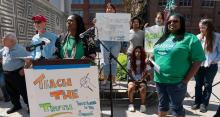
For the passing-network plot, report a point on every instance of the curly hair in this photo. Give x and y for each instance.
(133, 59)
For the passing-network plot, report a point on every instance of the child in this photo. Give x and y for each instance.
(138, 70)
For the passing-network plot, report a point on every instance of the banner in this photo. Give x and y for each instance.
(113, 26)
(152, 34)
(63, 92)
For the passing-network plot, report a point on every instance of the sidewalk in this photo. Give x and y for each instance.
(120, 106)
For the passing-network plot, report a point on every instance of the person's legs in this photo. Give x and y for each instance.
(131, 90)
(114, 47)
(199, 77)
(22, 87)
(105, 61)
(210, 73)
(177, 94)
(143, 91)
(163, 98)
(11, 86)
(3, 88)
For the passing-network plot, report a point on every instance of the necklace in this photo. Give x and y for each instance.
(73, 50)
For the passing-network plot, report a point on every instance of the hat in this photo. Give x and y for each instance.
(39, 18)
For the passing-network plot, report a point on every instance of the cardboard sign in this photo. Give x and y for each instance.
(152, 34)
(63, 92)
(113, 26)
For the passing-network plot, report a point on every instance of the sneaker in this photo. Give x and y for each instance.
(195, 107)
(131, 107)
(203, 108)
(142, 108)
(13, 109)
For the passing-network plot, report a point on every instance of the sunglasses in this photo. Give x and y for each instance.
(37, 22)
(172, 21)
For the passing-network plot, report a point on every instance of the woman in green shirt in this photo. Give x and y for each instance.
(70, 45)
(178, 55)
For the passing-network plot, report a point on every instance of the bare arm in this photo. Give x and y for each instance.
(194, 68)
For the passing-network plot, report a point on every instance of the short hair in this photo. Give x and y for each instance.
(135, 18)
(161, 14)
(110, 5)
(10, 35)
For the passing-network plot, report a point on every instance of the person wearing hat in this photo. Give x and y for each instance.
(47, 39)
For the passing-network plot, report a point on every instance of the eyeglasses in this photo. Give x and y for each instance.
(37, 22)
(172, 21)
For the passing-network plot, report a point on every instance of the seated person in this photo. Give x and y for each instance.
(138, 70)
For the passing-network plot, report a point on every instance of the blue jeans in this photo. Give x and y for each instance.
(114, 47)
(171, 96)
(204, 77)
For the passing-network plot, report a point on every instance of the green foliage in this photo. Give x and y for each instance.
(121, 74)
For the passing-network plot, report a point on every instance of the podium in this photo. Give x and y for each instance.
(63, 88)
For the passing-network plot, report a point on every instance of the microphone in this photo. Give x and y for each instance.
(86, 32)
(44, 41)
(33, 47)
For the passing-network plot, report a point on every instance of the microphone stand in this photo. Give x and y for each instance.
(41, 53)
(111, 56)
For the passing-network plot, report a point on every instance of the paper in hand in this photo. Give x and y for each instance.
(156, 66)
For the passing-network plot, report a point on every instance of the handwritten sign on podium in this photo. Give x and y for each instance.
(69, 92)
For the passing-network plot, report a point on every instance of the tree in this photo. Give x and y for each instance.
(137, 8)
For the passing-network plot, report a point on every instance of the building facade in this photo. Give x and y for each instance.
(15, 16)
(88, 8)
(193, 10)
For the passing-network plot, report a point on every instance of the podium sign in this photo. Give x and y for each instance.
(63, 92)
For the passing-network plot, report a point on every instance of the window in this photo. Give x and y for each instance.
(188, 18)
(162, 3)
(78, 11)
(208, 3)
(77, 1)
(97, 1)
(117, 1)
(185, 3)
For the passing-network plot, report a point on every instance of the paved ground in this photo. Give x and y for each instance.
(120, 106)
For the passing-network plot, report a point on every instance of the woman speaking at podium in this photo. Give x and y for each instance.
(70, 45)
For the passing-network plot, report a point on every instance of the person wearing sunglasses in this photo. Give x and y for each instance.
(204, 78)
(48, 38)
(178, 55)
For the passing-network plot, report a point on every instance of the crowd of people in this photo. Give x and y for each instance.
(180, 56)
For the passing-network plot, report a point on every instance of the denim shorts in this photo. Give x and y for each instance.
(171, 96)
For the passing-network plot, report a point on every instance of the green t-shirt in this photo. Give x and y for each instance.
(175, 58)
(71, 49)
